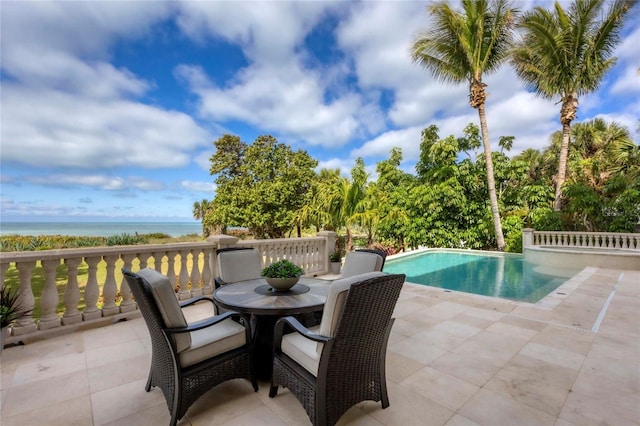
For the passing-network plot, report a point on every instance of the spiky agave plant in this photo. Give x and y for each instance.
(11, 308)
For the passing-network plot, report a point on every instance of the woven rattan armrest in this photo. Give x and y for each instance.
(293, 323)
(209, 322)
(195, 300)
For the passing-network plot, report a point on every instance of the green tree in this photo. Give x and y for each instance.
(342, 200)
(464, 46)
(565, 54)
(201, 211)
(260, 186)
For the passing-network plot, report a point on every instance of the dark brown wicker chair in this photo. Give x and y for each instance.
(237, 264)
(380, 253)
(362, 261)
(340, 363)
(187, 359)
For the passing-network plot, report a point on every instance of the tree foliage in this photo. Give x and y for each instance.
(259, 186)
(444, 204)
(565, 54)
(463, 46)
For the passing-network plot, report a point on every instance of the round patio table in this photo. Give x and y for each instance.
(265, 306)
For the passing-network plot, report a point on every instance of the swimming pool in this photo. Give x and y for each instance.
(497, 275)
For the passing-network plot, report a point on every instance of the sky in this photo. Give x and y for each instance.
(109, 109)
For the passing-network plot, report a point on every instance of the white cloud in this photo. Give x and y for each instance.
(82, 28)
(189, 185)
(266, 31)
(59, 129)
(109, 183)
(629, 82)
(63, 105)
(407, 139)
(286, 100)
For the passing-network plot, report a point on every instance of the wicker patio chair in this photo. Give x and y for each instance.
(362, 261)
(237, 264)
(341, 362)
(188, 359)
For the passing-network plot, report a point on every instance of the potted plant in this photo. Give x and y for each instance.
(335, 261)
(282, 275)
(11, 310)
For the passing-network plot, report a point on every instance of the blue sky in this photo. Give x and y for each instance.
(109, 109)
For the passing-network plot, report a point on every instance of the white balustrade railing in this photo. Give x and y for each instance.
(191, 268)
(600, 240)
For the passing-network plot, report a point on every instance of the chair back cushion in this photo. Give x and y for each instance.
(335, 302)
(360, 262)
(239, 265)
(165, 298)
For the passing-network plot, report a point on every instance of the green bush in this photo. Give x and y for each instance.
(125, 239)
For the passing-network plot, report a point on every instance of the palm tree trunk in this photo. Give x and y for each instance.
(493, 198)
(562, 165)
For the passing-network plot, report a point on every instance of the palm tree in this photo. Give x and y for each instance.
(464, 46)
(343, 200)
(565, 54)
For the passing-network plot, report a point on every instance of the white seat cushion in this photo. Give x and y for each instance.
(361, 262)
(167, 304)
(239, 265)
(211, 341)
(303, 350)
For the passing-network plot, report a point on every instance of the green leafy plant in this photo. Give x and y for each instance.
(11, 309)
(335, 257)
(282, 269)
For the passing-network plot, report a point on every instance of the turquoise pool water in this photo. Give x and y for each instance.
(505, 276)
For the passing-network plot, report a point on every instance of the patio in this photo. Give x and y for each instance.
(454, 359)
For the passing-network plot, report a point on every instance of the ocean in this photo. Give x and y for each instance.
(99, 229)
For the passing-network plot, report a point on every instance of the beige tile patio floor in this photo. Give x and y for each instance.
(453, 359)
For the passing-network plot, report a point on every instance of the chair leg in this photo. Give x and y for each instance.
(273, 391)
(147, 387)
(384, 396)
(254, 382)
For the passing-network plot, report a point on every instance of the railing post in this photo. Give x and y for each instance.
(49, 297)
(330, 246)
(92, 291)
(527, 237)
(71, 313)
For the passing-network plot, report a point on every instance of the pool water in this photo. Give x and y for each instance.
(505, 276)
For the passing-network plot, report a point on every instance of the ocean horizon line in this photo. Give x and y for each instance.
(99, 228)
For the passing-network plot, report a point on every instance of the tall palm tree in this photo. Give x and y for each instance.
(464, 46)
(565, 54)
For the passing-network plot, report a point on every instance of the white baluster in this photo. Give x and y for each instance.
(92, 291)
(157, 261)
(71, 313)
(183, 279)
(196, 282)
(127, 304)
(207, 271)
(49, 296)
(171, 270)
(26, 299)
(110, 288)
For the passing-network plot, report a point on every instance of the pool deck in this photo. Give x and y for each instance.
(454, 359)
